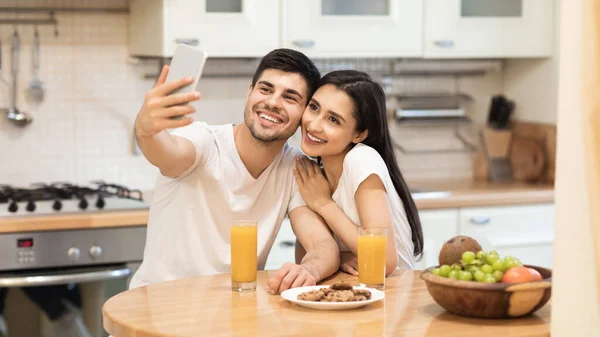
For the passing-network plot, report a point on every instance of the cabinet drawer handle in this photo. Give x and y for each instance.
(480, 220)
(190, 42)
(304, 43)
(444, 43)
(287, 244)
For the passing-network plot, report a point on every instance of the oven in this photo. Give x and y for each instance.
(96, 263)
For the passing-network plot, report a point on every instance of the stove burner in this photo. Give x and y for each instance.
(60, 192)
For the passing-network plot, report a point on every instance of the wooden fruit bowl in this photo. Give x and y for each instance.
(489, 300)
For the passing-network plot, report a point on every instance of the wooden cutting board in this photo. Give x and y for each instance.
(527, 159)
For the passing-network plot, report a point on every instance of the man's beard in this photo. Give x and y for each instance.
(260, 135)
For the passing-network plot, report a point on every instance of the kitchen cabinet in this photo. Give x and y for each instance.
(438, 226)
(488, 28)
(224, 28)
(345, 28)
(524, 231)
(353, 28)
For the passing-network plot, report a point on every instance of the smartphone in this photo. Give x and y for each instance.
(186, 61)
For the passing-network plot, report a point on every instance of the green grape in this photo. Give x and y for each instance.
(493, 252)
(486, 268)
(457, 267)
(479, 276)
(453, 274)
(465, 276)
(445, 270)
(499, 265)
(518, 263)
(498, 275)
(468, 257)
(478, 262)
(480, 255)
(489, 278)
(472, 268)
(510, 263)
(490, 259)
(435, 271)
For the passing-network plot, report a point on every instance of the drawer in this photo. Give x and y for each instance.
(509, 226)
(283, 249)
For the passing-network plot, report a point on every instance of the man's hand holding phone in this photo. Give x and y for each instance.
(162, 104)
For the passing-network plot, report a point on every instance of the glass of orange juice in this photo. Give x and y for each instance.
(243, 255)
(372, 244)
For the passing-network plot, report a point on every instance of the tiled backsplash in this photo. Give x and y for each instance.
(83, 129)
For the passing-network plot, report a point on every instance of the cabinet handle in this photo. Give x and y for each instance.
(444, 43)
(287, 244)
(190, 42)
(304, 43)
(480, 220)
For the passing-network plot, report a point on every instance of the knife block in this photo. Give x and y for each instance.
(492, 158)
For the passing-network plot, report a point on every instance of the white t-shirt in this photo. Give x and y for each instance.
(359, 163)
(190, 215)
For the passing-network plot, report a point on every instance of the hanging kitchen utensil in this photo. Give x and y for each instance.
(2, 79)
(35, 91)
(13, 114)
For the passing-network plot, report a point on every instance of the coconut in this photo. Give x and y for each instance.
(453, 249)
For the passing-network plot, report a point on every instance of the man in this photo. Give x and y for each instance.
(214, 175)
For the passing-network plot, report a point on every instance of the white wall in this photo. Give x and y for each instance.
(533, 84)
(575, 309)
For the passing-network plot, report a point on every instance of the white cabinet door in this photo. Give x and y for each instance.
(526, 232)
(353, 28)
(438, 227)
(284, 247)
(223, 28)
(488, 28)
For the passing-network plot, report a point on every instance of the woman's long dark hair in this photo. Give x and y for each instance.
(370, 114)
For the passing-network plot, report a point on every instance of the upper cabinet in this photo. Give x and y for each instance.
(488, 28)
(345, 28)
(353, 28)
(224, 28)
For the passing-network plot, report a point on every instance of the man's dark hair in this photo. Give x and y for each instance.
(290, 61)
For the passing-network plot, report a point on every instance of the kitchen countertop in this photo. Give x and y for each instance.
(91, 220)
(428, 195)
(468, 193)
(206, 306)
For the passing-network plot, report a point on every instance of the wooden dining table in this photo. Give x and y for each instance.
(206, 306)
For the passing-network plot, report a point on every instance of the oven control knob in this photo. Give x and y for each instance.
(95, 252)
(73, 253)
(13, 207)
(30, 206)
(83, 203)
(56, 205)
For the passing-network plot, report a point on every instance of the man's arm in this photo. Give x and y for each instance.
(322, 257)
(171, 154)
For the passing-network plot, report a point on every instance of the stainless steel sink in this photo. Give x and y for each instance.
(417, 193)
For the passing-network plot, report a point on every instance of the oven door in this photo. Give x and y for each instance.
(55, 276)
(96, 285)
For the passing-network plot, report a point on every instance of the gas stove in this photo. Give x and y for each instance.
(67, 198)
(42, 254)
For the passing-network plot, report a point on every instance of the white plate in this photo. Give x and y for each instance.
(292, 296)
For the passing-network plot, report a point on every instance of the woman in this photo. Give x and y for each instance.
(345, 127)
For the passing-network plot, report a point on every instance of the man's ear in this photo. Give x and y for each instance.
(360, 137)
